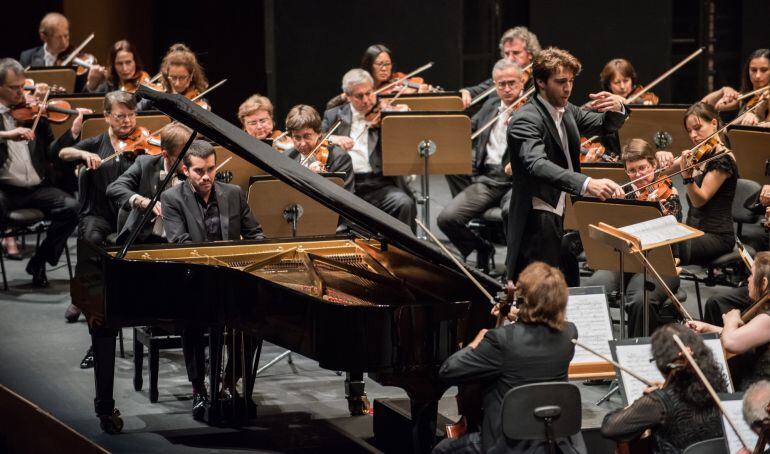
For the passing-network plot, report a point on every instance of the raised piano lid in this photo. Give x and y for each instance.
(376, 222)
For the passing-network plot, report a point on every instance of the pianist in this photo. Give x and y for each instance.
(193, 212)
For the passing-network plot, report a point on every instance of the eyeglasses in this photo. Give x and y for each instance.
(178, 78)
(641, 169)
(124, 117)
(260, 122)
(385, 64)
(507, 83)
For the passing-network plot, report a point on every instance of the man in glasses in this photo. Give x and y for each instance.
(102, 164)
(491, 186)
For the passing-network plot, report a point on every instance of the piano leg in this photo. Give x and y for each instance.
(103, 342)
(424, 413)
(358, 402)
(215, 414)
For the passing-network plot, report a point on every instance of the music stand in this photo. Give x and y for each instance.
(750, 144)
(599, 170)
(93, 125)
(442, 102)
(425, 143)
(63, 76)
(659, 125)
(84, 100)
(284, 211)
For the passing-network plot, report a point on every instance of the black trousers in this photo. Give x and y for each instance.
(541, 240)
(387, 195)
(470, 203)
(705, 249)
(457, 183)
(57, 205)
(723, 302)
(95, 229)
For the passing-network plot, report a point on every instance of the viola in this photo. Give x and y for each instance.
(56, 111)
(130, 85)
(647, 98)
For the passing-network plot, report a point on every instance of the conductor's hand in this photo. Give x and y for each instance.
(603, 188)
(605, 101)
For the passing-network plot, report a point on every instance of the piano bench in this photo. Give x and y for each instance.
(155, 338)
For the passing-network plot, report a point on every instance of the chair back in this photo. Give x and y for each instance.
(713, 446)
(522, 404)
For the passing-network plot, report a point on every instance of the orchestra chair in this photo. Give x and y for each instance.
(713, 446)
(488, 226)
(542, 411)
(27, 221)
(732, 260)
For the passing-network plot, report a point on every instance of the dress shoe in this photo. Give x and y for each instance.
(200, 403)
(72, 314)
(229, 393)
(484, 255)
(88, 360)
(37, 270)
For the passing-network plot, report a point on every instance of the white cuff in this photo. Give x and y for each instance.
(585, 186)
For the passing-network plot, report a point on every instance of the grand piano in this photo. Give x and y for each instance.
(381, 302)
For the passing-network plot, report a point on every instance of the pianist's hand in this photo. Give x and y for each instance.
(479, 337)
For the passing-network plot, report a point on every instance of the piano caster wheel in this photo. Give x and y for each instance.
(111, 424)
(358, 405)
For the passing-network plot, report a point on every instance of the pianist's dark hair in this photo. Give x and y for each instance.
(682, 377)
(199, 149)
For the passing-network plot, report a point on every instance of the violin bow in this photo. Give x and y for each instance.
(663, 76)
(40, 111)
(614, 363)
(398, 81)
(709, 388)
(683, 169)
(320, 142)
(507, 109)
(77, 50)
(752, 93)
(208, 90)
(491, 89)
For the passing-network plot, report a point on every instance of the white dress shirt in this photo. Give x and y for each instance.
(498, 141)
(17, 169)
(48, 57)
(359, 132)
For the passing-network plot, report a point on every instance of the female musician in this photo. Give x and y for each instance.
(678, 412)
(256, 117)
(755, 75)
(710, 190)
(125, 71)
(640, 162)
(537, 348)
(753, 336)
(181, 72)
(619, 78)
(303, 123)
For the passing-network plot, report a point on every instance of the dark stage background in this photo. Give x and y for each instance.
(296, 51)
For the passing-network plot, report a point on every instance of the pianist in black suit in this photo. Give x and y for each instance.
(204, 210)
(544, 149)
(537, 348)
(132, 191)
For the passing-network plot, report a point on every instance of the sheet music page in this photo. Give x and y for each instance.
(657, 230)
(733, 404)
(637, 358)
(590, 315)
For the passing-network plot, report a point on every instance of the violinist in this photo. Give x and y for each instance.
(678, 412)
(710, 191)
(755, 75)
(125, 71)
(361, 140)
(517, 44)
(537, 348)
(491, 186)
(640, 162)
(303, 123)
(24, 155)
(55, 34)
(750, 337)
(181, 72)
(256, 117)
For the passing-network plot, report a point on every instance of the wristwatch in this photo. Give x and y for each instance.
(688, 180)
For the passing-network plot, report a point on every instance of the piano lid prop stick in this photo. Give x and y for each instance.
(457, 262)
(614, 363)
(223, 163)
(709, 388)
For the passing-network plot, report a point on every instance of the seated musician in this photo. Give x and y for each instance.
(181, 73)
(710, 192)
(517, 44)
(755, 75)
(303, 124)
(640, 162)
(98, 216)
(256, 117)
(193, 212)
(55, 34)
(24, 154)
(679, 412)
(491, 187)
(125, 71)
(537, 348)
(133, 189)
(361, 140)
(750, 339)
(756, 402)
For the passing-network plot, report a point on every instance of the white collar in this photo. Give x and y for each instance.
(47, 52)
(4, 109)
(356, 113)
(556, 112)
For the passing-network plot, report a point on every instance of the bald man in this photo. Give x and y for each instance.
(55, 34)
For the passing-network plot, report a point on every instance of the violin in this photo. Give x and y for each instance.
(587, 145)
(761, 305)
(56, 111)
(659, 191)
(30, 86)
(320, 155)
(82, 62)
(757, 98)
(140, 141)
(193, 93)
(279, 140)
(704, 150)
(131, 85)
(647, 98)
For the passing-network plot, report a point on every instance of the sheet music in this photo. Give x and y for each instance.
(590, 315)
(658, 230)
(733, 404)
(637, 358)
